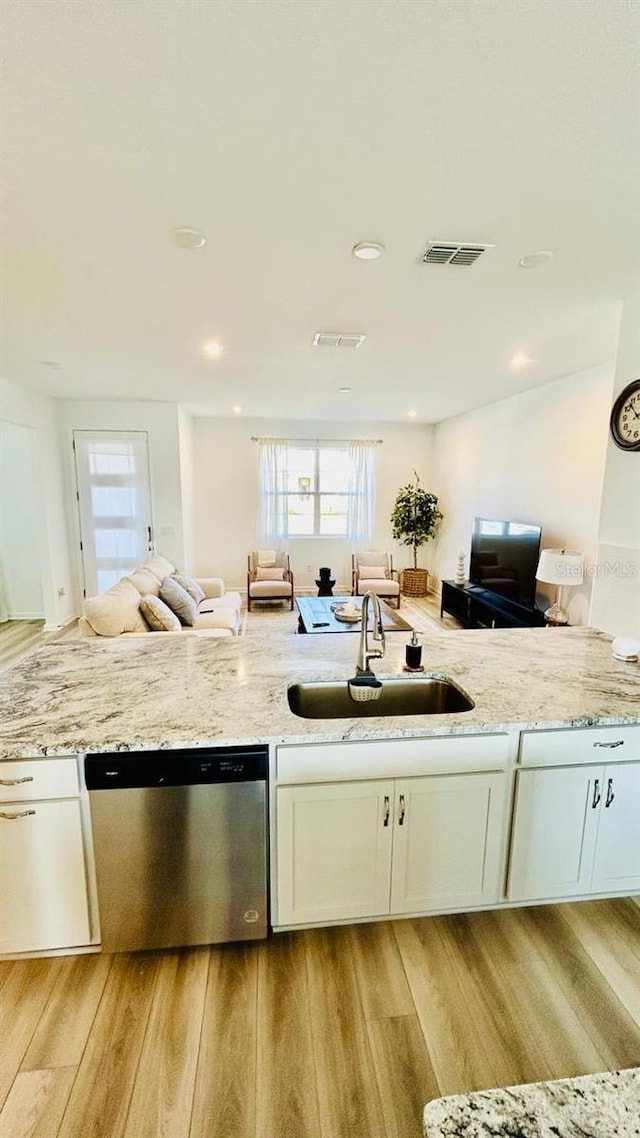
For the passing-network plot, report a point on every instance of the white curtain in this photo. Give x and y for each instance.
(362, 490)
(272, 525)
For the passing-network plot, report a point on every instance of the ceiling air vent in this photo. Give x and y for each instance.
(338, 340)
(451, 253)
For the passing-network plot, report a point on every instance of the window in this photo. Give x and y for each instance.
(316, 490)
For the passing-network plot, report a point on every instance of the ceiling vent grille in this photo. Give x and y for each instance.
(338, 340)
(451, 253)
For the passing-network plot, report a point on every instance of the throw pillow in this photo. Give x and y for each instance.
(372, 572)
(159, 566)
(144, 582)
(190, 586)
(269, 574)
(179, 601)
(158, 615)
(116, 611)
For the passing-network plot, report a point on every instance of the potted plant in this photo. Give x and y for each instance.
(414, 521)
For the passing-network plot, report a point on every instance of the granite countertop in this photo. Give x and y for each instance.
(591, 1106)
(139, 692)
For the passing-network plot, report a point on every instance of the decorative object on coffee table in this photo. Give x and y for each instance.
(414, 521)
(325, 582)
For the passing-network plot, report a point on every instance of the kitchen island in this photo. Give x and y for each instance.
(531, 795)
(134, 693)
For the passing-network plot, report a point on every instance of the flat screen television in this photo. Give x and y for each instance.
(504, 559)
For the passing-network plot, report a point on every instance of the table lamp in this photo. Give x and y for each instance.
(562, 568)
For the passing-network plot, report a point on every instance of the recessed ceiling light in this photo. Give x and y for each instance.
(520, 359)
(213, 348)
(188, 238)
(534, 260)
(412, 414)
(237, 409)
(368, 250)
(344, 390)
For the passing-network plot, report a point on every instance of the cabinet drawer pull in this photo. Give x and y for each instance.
(596, 794)
(402, 811)
(16, 781)
(610, 794)
(12, 817)
(387, 809)
(618, 743)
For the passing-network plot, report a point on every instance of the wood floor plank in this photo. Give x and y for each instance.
(62, 1032)
(286, 1090)
(457, 1051)
(614, 1033)
(535, 1008)
(382, 980)
(340, 1042)
(609, 951)
(514, 1054)
(163, 1094)
(23, 998)
(36, 1103)
(405, 1077)
(104, 1084)
(225, 1091)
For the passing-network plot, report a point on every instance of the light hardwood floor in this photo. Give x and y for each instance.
(329, 1033)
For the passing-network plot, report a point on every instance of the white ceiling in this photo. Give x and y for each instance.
(288, 131)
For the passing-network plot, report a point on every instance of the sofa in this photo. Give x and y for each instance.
(130, 608)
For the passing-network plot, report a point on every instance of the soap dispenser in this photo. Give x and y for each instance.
(413, 651)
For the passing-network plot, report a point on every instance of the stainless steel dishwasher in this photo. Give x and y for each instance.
(180, 841)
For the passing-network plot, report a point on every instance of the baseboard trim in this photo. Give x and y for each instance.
(25, 616)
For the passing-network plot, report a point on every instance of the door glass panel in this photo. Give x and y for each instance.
(114, 498)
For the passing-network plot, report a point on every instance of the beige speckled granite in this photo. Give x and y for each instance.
(591, 1106)
(142, 693)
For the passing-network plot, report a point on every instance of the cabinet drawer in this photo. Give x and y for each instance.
(393, 758)
(38, 778)
(579, 745)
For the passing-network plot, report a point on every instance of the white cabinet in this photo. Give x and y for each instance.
(576, 831)
(43, 890)
(375, 848)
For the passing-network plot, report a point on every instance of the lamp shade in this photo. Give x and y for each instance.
(560, 567)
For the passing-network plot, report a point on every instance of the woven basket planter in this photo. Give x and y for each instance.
(414, 582)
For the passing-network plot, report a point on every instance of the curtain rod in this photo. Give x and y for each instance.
(317, 442)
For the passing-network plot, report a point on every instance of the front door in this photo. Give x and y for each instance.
(114, 504)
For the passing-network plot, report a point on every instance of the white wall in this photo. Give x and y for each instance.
(160, 421)
(616, 589)
(20, 405)
(226, 492)
(21, 519)
(187, 459)
(537, 457)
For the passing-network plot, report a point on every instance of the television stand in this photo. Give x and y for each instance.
(476, 607)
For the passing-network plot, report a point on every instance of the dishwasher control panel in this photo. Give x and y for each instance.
(195, 766)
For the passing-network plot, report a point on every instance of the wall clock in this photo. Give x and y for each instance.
(625, 417)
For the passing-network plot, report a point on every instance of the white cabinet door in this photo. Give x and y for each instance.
(43, 892)
(617, 861)
(333, 851)
(553, 841)
(447, 842)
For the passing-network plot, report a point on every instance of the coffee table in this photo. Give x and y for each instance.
(315, 615)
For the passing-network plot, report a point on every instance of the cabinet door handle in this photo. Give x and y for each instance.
(402, 811)
(596, 794)
(610, 795)
(387, 809)
(618, 743)
(12, 817)
(15, 781)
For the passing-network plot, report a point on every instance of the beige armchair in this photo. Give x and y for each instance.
(373, 572)
(269, 577)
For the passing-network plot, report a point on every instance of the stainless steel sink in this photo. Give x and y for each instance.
(418, 695)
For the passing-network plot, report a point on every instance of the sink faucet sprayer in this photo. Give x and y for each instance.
(364, 684)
